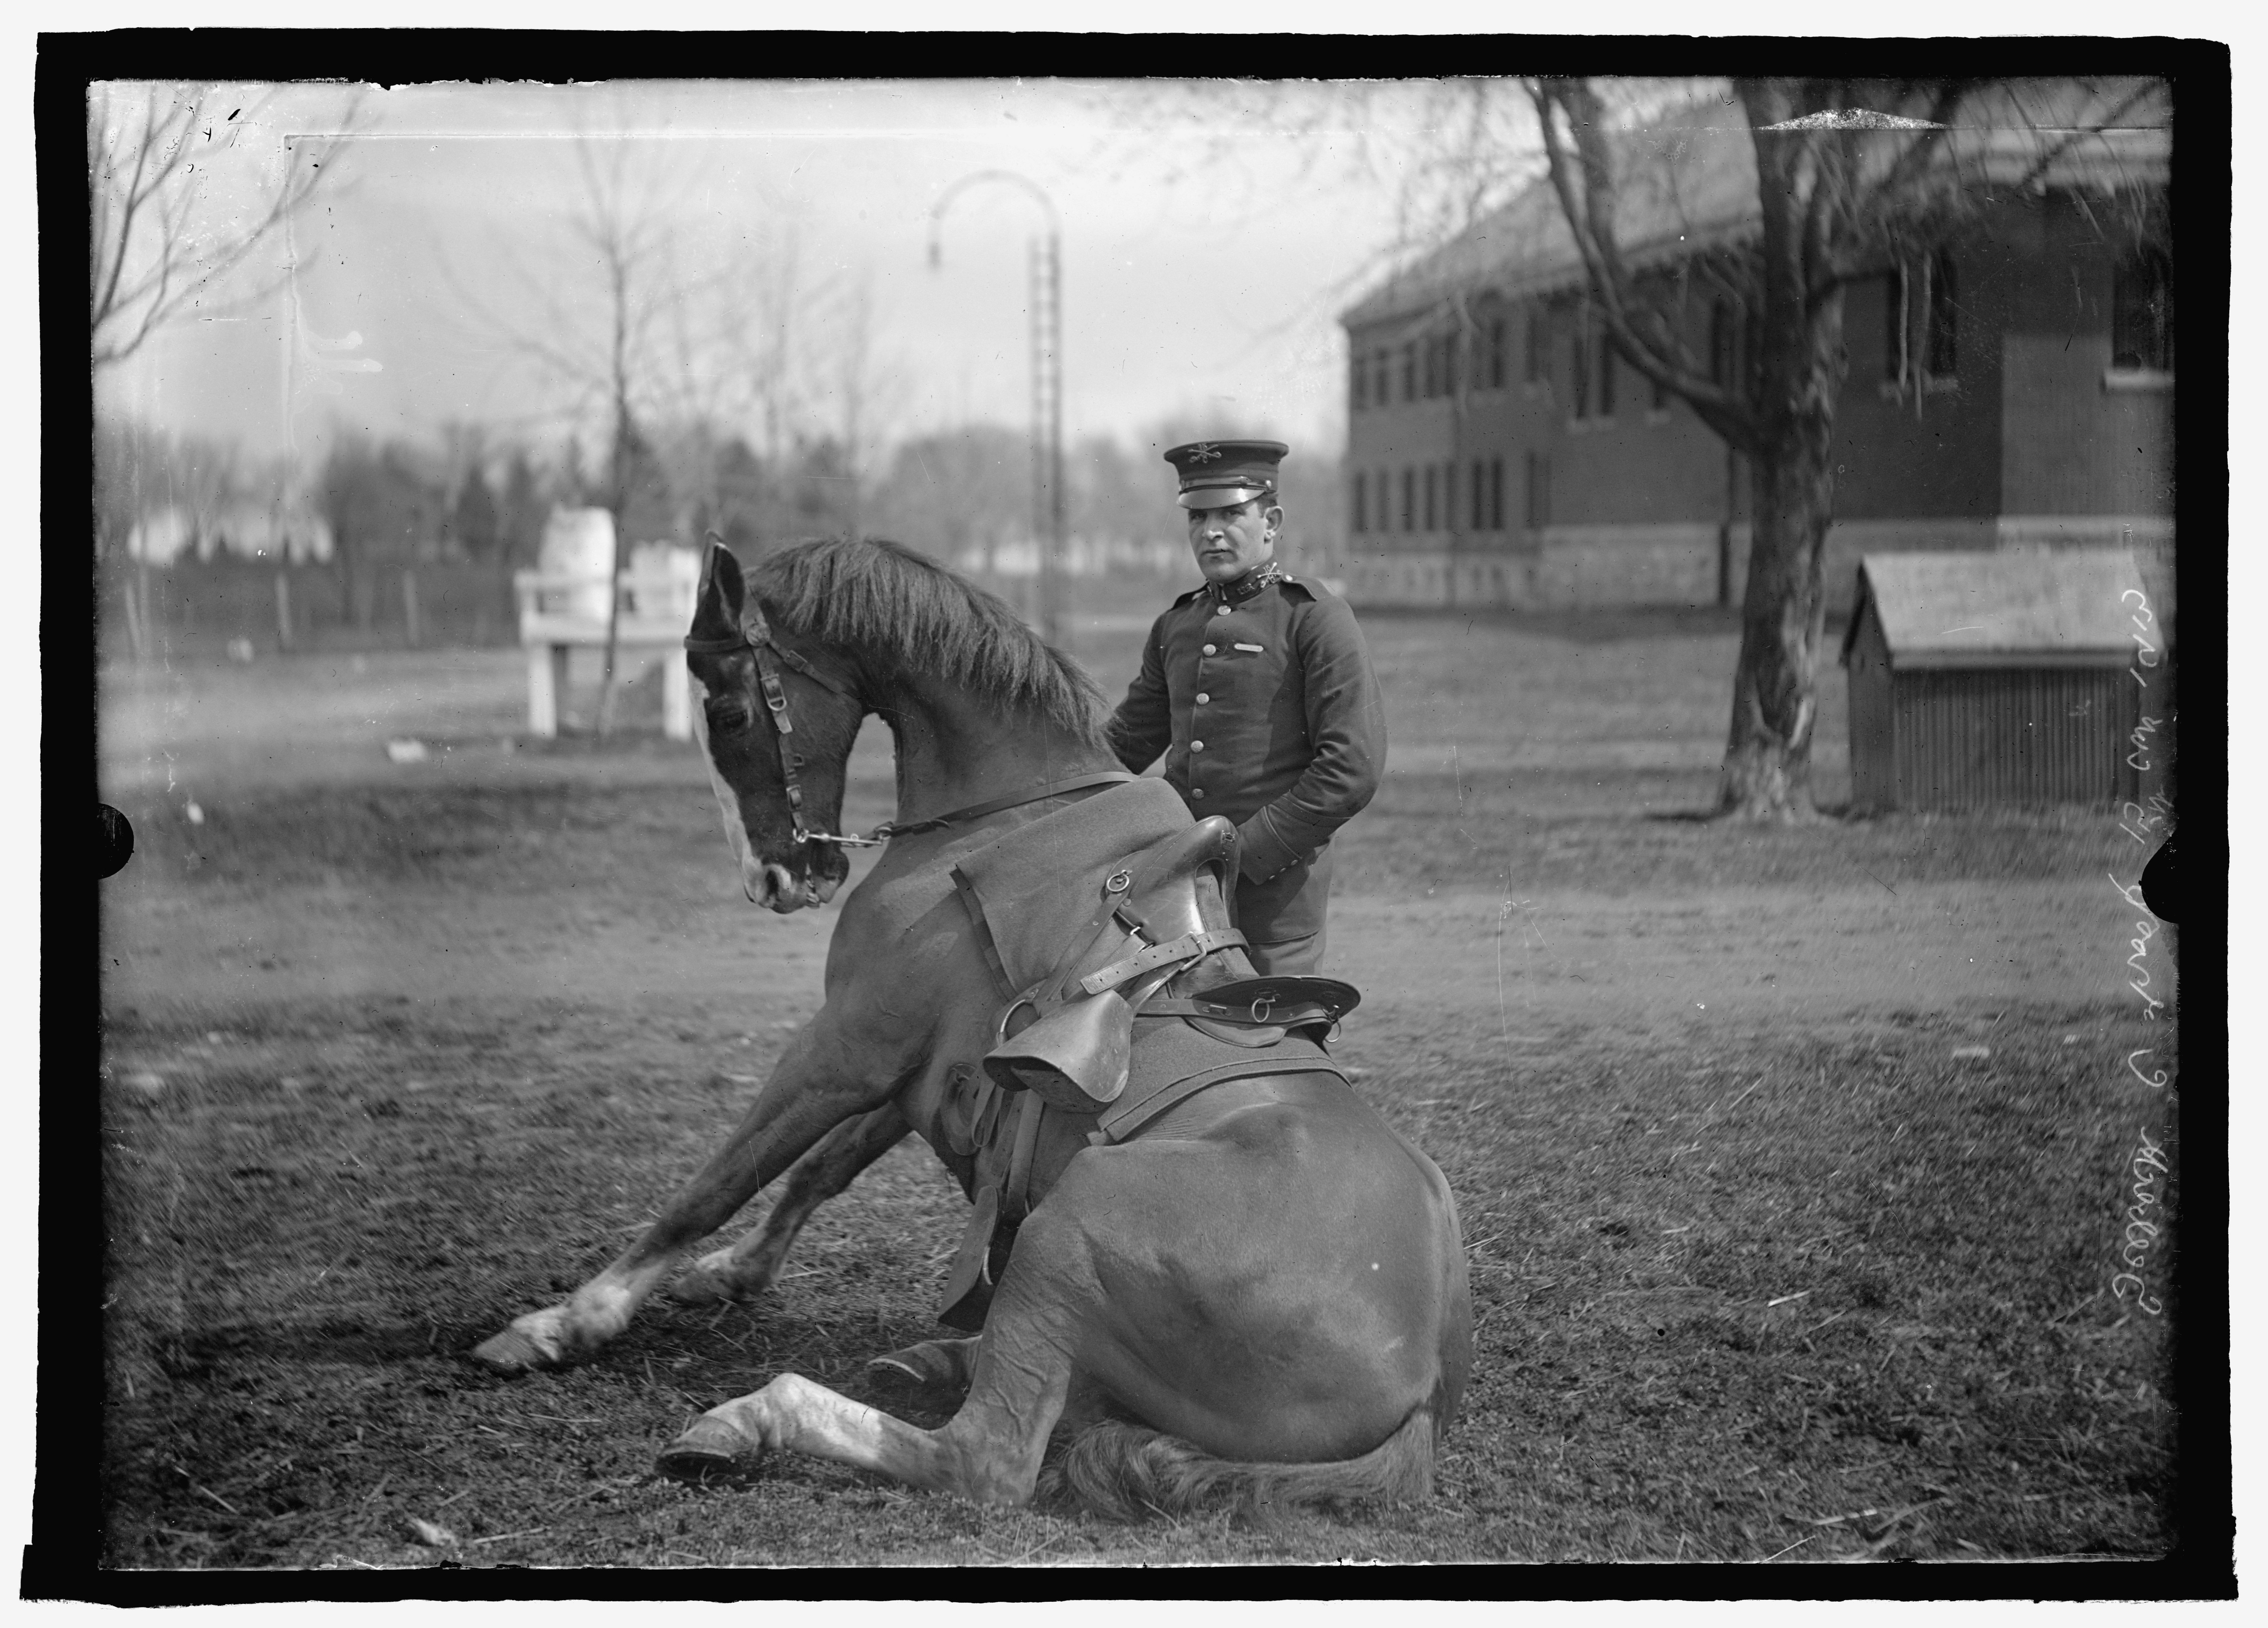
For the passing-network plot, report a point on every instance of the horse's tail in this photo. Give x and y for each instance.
(1126, 1471)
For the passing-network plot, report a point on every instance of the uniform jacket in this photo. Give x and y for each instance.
(1263, 701)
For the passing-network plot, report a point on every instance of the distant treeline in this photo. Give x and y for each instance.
(965, 496)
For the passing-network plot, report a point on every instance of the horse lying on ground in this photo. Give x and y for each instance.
(1256, 1287)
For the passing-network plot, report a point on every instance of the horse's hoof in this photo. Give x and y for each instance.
(709, 1452)
(924, 1365)
(512, 1354)
(898, 1368)
(701, 1286)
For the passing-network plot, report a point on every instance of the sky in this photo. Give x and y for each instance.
(1208, 241)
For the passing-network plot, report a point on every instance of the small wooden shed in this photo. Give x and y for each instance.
(1992, 679)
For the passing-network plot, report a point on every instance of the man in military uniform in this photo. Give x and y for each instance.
(1257, 689)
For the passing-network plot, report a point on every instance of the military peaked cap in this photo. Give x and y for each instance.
(1217, 474)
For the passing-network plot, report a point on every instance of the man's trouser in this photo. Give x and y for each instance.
(1282, 917)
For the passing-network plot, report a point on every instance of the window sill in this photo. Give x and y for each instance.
(2123, 381)
(1890, 390)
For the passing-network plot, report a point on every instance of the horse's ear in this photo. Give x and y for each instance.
(717, 608)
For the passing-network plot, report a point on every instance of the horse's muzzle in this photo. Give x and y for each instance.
(772, 886)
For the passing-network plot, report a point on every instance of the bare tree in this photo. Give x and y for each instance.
(181, 194)
(598, 323)
(1852, 178)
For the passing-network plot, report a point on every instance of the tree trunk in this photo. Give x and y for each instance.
(1767, 768)
(606, 719)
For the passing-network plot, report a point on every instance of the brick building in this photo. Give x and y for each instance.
(2014, 389)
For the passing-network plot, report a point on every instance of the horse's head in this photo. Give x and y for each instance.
(759, 748)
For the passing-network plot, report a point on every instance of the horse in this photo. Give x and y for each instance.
(1261, 1295)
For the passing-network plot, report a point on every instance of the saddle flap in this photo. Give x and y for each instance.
(1076, 1057)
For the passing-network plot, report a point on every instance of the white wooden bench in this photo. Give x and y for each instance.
(559, 612)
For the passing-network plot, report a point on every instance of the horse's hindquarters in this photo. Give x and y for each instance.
(1278, 1277)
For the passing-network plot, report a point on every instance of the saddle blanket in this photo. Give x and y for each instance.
(1036, 885)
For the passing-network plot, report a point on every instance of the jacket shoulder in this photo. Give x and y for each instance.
(1186, 599)
(1308, 588)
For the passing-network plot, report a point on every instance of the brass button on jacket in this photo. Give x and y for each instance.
(1295, 731)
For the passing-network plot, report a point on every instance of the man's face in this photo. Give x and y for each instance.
(1228, 542)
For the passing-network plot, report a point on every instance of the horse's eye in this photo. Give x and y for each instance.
(728, 717)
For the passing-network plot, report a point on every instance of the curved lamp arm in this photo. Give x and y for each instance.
(1030, 189)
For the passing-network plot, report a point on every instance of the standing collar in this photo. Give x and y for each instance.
(1245, 586)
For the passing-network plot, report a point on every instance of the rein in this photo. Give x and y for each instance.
(756, 637)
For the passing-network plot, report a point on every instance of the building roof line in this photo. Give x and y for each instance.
(1698, 192)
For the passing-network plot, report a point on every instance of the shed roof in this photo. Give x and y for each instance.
(1687, 183)
(1945, 610)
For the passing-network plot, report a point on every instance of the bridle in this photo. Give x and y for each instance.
(754, 636)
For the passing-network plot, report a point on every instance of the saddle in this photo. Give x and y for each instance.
(1147, 926)
(1086, 1032)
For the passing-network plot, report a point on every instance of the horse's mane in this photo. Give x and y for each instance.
(885, 600)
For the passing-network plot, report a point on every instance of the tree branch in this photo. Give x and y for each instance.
(1590, 222)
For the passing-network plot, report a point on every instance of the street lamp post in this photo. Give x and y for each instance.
(1047, 386)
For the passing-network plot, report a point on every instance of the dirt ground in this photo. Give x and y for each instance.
(394, 1050)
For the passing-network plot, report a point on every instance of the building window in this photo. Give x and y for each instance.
(1539, 491)
(2142, 314)
(1431, 483)
(1496, 353)
(1410, 372)
(1920, 303)
(1721, 343)
(1359, 525)
(1428, 377)
(1356, 394)
(1606, 375)
(1942, 357)
(1451, 347)
(1496, 494)
(1382, 381)
(1533, 364)
(1409, 499)
(1480, 496)
(1578, 383)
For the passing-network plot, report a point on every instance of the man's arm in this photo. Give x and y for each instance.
(1346, 724)
(1143, 726)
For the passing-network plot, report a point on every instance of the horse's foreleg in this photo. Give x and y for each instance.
(747, 1269)
(989, 1452)
(816, 1087)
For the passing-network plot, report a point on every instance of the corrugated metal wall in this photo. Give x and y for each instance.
(1971, 738)
(1873, 739)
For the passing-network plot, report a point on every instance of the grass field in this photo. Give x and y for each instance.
(1765, 1267)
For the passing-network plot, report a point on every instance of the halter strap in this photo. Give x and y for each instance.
(754, 636)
